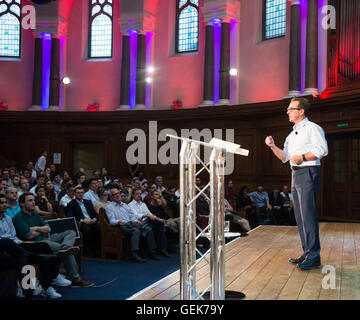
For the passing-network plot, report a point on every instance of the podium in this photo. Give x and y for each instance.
(215, 168)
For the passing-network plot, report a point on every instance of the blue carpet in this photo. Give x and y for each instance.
(119, 279)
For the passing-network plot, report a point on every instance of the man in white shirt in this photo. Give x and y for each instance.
(304, 147)
(40, 181)
(91, 193)
(40, 164)
(70, 194)
(143, 214)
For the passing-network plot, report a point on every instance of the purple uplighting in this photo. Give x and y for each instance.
(303, 22)
(217, 47)
(133, 62)
(148, 41)
(46, 42)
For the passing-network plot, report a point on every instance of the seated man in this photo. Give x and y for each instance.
(70, 195)
(143, 214)
(157, 208)
(91, 193)
(288, 211)
(40, 181)
(85, 215)
(17, 254)
(13, 207)
(276, 201)
(172, 201)
(119, 214)
(244, 203)
(262, 205)
(24, 186)
(30, 226)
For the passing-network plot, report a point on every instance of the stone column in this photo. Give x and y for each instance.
(54, 74)
(140, 72)
(311, 78)
(224, 86)
(295, 52)
(37, 77)
(125, 74)
(208, 97)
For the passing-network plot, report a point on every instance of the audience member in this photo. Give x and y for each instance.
(41, 162)
(143, 214)
(4, 183)
(70, 194)
(51, 195)
(13, 207)
(159, 183)
(15, 181)
(289, 216)
(144, 190)
(64, 184)
(24, 186)
(40, 181)
(30, 226)
(119, 214)
(276, 202)
(237, 224)
(103, 195)
(80, 180)
(83, 211)
(30, 166)
(262, 205)
(57, 182)
(230, 193)
(172, 201)
(245, 203)
(42, 205)
(16, 253)
(91, 193)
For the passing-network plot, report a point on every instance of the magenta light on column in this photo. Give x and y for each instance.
(133, 62)
(46, 41)
(217, 46)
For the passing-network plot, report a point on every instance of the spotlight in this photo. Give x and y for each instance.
(233, 72)
(148, 79)
(150, 69)
(66, 80)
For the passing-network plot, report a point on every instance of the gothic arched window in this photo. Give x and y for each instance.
(274, 18)
(187, 25)
(10, 28)
(100, 28)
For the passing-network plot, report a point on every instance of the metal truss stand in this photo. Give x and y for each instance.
(189, 192)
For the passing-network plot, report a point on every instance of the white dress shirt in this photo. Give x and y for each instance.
(306, 137)
(139, 209)
(119, 212)
(65, 200)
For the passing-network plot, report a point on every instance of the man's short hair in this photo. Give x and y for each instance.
(68, 187)
(41, 176)
(79, 188)
(153, 191)
(303, 104)
(2, 196)
(136, 189)
(22, 198)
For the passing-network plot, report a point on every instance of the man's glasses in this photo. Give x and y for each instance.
(290, 109)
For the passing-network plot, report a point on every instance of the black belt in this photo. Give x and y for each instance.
(298, 168)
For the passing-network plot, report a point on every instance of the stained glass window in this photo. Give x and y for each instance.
(187, 25)
(100, 28)
(274, 18)
(10, 32)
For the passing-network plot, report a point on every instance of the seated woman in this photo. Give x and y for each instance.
(104, 199)
(42, 205)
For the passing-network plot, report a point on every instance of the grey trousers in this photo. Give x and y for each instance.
(306, 183)
(58, 240)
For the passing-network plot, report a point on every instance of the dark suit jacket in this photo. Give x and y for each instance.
(277, 202)
(73, 210)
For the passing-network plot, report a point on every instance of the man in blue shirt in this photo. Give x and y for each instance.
(12, 206)
(261, 200)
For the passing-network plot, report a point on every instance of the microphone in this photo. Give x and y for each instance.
(296, 132)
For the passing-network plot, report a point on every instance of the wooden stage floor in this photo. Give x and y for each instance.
(258, 266)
